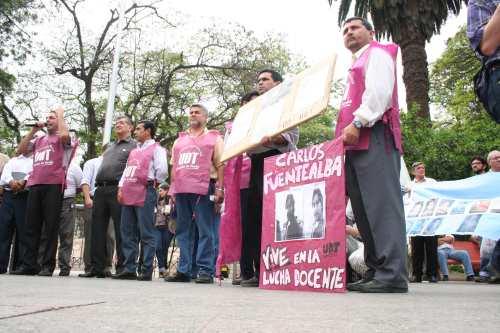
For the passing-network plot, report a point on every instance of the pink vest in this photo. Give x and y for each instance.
(135, 176)
(48, 161)
(192, 161)
(352, 100)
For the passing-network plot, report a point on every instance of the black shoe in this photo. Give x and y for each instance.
(433, 279)
(45, 272)
(204, 278)
(144, 277)
(178, 277)
(416, 279)
(375, 286)
(482, 279)
(469, 278)
(355, 286)
(252, 282)
(224, 271)
(24, 271)
(64, 272)
(92, 274)
(125, 276)
(495, 280)
(494, 274)
(236, 282)
(445, 278)
(108, 274)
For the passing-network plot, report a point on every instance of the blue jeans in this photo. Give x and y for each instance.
(164, 237)
(135, 222)
(197, 209)
(459, 255)
(495, 257)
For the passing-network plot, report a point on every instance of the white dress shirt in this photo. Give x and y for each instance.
(21, 164)
(379, 86)
(158, 168)
(90, 169)
(73, 180)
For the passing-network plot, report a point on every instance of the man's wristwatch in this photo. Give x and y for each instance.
(357, 124)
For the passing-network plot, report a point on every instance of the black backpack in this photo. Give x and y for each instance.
(487, 88)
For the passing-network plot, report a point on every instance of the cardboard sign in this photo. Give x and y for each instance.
(285, 106)
(303, 223)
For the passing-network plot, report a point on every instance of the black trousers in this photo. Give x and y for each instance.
(246, 263)
(12, 219)
(424, 247)
(106, 206)
(43, 213)
(251, 233)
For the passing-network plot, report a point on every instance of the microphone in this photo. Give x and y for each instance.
(38, 124)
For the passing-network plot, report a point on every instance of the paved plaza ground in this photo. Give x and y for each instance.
(72, 304)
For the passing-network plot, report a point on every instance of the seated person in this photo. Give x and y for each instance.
(446, 250)
(355, 250)
(355, 247)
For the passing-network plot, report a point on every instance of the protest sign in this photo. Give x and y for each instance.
(285, 106)
(467, 206)
(303, 223)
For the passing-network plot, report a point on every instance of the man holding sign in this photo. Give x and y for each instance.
(368, 122)
(269, 146)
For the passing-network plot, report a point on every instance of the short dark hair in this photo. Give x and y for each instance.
(164, 186)
(148, 124)
(317, 192)
(274, 74)
(364, 21)
(480, 159)
(248, 97)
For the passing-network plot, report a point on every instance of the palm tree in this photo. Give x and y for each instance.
(410, 23)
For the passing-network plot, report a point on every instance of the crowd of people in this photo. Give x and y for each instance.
(127, 185)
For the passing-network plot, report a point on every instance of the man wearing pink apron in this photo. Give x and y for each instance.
(51, 156)
(368, 122)
(146, 166)
(196, 172)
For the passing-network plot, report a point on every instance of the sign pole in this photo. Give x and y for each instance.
(113, 81)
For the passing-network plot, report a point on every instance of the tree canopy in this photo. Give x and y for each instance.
(464, 129)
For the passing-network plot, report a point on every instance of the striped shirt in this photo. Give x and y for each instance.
(478, 14)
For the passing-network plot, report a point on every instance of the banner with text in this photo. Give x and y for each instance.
(467, 206)
(303, 224)
(285, 106)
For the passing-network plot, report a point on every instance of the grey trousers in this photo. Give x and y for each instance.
(372, 181)
(110, 242)
(66, 233)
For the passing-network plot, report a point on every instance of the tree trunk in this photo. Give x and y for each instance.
(91, 121)
(415, 71)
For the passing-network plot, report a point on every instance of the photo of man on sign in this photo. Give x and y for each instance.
(300, 213)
